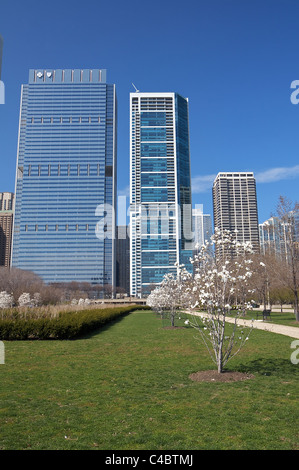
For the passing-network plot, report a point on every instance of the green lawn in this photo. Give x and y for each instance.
(127, 387)
(282, 318)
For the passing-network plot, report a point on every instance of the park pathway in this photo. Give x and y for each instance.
(291, 331)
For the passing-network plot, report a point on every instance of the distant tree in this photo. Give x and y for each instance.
(120, 291)
(263, 277)
(37, 299)
(281, 295)
(6, 300)
(108, 291)
(18, 281)
(97, 291)
(171, 294)
(288, 272)
(24, 300)
(51, 294)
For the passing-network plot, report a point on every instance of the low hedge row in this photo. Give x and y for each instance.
(68, 325)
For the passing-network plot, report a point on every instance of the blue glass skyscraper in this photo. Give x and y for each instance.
(160, 188)
(64, 222)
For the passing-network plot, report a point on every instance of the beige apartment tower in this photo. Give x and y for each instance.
(235, 206)
(6, 225)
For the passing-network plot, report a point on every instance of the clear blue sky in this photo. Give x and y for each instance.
(234, 59)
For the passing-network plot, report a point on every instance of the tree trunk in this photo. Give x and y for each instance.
(172, 317)
(220, 347)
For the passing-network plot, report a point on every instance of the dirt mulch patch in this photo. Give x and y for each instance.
(214, 376)
(173, 327)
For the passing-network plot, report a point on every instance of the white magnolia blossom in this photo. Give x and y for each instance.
(24, 300)
(6, 300)
(172, 293)
(81, 302)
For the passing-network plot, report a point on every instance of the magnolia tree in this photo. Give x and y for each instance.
(84, 302)
(221, 280)
(171, 293)
(24, 300)
(37, 299)
(6, 300)
(155, 300)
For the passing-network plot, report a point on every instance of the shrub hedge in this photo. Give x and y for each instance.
(68, 325)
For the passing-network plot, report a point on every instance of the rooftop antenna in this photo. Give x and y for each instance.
(137, 91)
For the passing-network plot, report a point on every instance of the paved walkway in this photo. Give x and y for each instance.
(291, 331)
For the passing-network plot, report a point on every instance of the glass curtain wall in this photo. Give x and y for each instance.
(66, 174)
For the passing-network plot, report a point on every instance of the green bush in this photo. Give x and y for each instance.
(65, 326)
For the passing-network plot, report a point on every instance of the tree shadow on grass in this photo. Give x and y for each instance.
(100, 329)
(268, 366)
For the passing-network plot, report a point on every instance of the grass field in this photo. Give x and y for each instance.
(127, 387)
(281, 318)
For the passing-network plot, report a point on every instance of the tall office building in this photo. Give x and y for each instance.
(235, 206)
(160, 188)
(64, 228)
(6, 223)
(202, 226)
